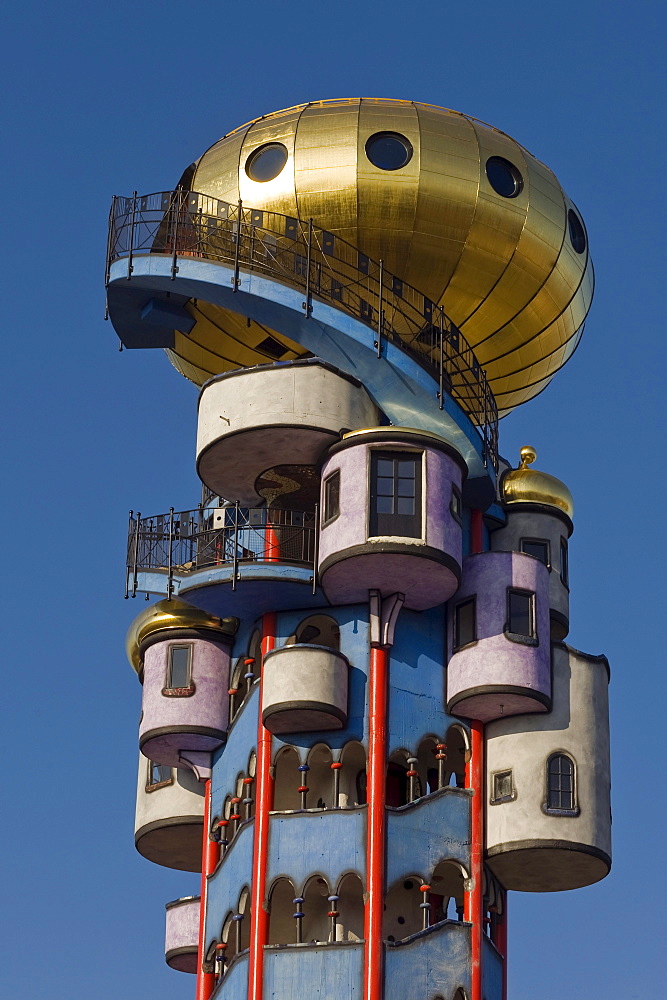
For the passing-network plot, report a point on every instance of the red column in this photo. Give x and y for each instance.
(259, 917)
(476, 531)
(375, 845)
(474, 900)
(210, 855)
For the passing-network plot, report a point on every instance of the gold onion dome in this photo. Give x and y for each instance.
(454, 207)
(167, 615)
(526, 485)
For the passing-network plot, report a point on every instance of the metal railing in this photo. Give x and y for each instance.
(187, 224)
(185, 541)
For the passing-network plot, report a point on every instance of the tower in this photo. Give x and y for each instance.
(360, 720)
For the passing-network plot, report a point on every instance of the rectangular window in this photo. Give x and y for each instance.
(465, 626)
(456, 505)
(331, 498)
(503, 787)
(158, 774)
(521, 613)
(178, 672)
(564, 570)
(537, 547)
(396, 480)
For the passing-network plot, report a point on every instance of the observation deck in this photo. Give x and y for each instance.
(167, 251)
(194, 553)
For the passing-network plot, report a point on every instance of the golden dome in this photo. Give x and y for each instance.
(169, 615)
(525, 485)
(462, 212)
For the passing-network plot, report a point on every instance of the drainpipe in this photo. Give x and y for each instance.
(259, 917)
(476, 531)
(383, 616)
(474, 898)
(210, 856)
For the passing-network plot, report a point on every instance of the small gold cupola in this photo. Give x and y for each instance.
(169, 615)
(526, 485)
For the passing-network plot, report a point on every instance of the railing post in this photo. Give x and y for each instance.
(303, 789)
(413, 774)
(236, 281)
(235, 551)
(110, 243)
(176, 209)
(316, 545)
(441, 366)
(170, 581)
(425, 906)
(441, 757)
(378, 342)
(298, 916)
(220, 950)
(307, 305)
(335, 767)
(238, 917)
(247, 802)
(333, 914)
(130, 267)
(135, 581)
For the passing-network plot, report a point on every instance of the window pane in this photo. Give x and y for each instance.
(538, 549)
(385, 467)
(385, 486)
(464, 623)
(407, 468)
(159, 773)
(406, 487)
(564, 573)
(405, 505)
(332, 496)
(385, 505)
(179, 672)
(520, 613)
(502, 785)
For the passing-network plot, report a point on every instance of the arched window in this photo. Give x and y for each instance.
(561, 784)
(227, 936)
(320, 630)
(458, 755)
(316, 922)
(281, 912)
(244, 910)
(427, 765)
(350, 906)
(397, 778)
(447, 891)
(319, 778)
(402, 912)
(287, 780)
(352, 776)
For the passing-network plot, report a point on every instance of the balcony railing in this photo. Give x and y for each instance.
(187, 224)
(183, 542)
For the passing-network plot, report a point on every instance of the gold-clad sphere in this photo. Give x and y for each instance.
(167, 615)
(526, 485)
(469, 217)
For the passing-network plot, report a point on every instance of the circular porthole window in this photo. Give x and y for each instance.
(266, 162)
(504, 177)
(388, 150)
(577, 232)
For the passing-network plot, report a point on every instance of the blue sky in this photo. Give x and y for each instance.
(108, 99)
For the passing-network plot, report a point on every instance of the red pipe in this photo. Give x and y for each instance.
(375, 846)
(476, 531)
(474, 900)
(259, 917)
(210, 855)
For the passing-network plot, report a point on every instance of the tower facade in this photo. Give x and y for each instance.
(361, 722)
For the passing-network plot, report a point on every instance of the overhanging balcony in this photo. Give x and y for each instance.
(246, 551)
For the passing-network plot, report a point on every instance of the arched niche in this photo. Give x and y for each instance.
(318, 630)
(287, 780)
(402, 913)
(281, 910)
